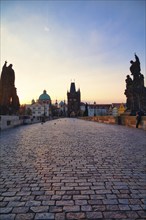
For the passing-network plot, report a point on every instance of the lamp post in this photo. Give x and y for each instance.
(43, 119)
(94, 109)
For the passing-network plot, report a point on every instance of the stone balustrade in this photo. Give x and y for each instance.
(7, 121)
(121, 120)
(10, 121)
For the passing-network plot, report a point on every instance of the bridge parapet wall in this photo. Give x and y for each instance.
(120, 120)
(9, 121)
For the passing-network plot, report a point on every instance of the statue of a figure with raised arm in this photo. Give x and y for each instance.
(135, 67)
(135, 90)
(9, 100)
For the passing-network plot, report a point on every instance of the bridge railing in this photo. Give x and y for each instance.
(120, 120)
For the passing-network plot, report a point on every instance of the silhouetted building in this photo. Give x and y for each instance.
(74, 99)
(9, 101)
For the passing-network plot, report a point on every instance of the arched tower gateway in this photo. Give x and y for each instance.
(74, 99)
(9, 101)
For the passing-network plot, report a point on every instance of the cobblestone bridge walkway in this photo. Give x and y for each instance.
(72, 169)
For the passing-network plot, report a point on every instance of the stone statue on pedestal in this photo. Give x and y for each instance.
(135, 90)
(135, 67)
(9, 101)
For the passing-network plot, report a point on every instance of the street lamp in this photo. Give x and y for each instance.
(43, 118)
(94, 109)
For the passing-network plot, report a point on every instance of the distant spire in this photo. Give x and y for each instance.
(72, 88)
(56, 103)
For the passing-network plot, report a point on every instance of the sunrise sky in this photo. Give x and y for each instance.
(51, 43)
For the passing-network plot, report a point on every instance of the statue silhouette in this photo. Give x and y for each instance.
(9, 101)
(135, 67)
(8, 75)
(128, 81)
(135, 90)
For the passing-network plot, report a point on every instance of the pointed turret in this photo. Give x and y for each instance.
(72, 88)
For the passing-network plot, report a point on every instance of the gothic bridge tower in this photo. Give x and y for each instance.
(74, 99)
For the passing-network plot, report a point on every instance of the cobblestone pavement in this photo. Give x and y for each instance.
(72, 169)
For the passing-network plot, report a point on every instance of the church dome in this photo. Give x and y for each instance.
(44, 96)
(61, 103)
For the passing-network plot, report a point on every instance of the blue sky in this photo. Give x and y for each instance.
(51, 43)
